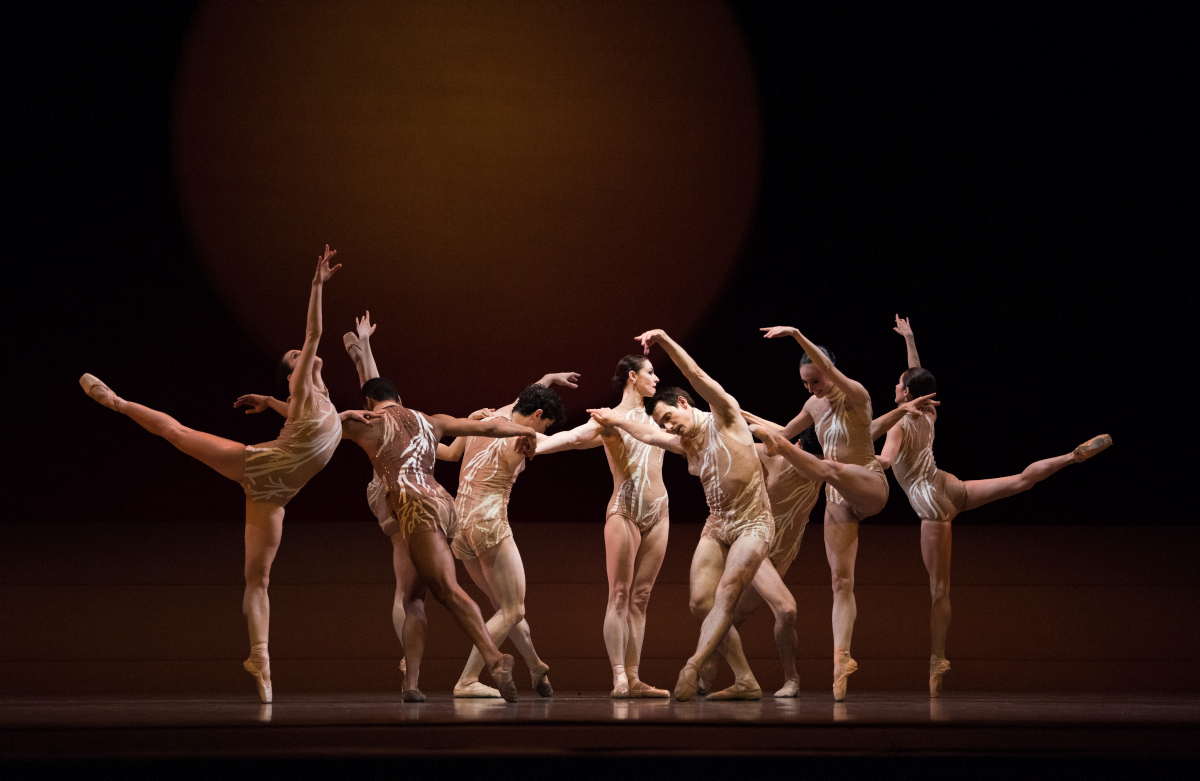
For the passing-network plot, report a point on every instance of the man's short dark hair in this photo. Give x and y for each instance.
(538, 397)
(380, 389)
(669, 396)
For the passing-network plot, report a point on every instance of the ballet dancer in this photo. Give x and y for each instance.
(938, 497)
(636, 524)
(739, 530)
(270, 473)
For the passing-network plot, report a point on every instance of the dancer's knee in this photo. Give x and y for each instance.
(513, 614)
(785, 615)
(618, 599)
(939, 589)
(700, 606)
(639, 600)
(843, 583)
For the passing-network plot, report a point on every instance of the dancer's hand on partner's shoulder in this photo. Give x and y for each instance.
(480, 414)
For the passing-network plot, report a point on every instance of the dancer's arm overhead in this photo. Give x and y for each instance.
(300, 385)
(569, 379)
(365, 360)
(724, 406)
(643, 432)
(903, 328)
(856, 394)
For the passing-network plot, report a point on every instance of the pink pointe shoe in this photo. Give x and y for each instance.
(1092, 447)
(843, 667)
(261, 672)
(937, 668)
(100, 392)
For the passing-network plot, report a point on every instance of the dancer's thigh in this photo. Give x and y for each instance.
(980, 492)
(650, 554)
(865, 489)
(841, 540)
(505, 573)
(769, 584)
(264, 530)
(432, 558)
(407, 581)
(745, 557)
(708, 564)
(935, 550)
(621, 543)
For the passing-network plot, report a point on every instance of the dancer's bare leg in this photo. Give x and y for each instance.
(935, 550)
(841, 549)
(431, 556)
(749, 602)
(621, 543)
(264, 528)
(408, 613)
(980, 492)
(861, 487)
(769, 584)
(718, 578)
(646, 565)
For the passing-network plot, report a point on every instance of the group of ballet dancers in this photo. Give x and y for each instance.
(759, 498)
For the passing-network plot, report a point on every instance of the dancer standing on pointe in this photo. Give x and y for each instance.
(938, 497)
(720, 451)
(636, 524)
(856, 487)
(271, 473)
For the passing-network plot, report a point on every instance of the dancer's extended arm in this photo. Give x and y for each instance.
(581, 437)
(454, 451)
(447, 426)
(365, 363)
(891, 446)
(257, 403)
(885, 422)
(301, 386)
(643, 432)
(722, 404)
(856, 394)
(903, 328)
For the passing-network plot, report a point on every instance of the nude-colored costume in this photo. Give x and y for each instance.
(378, 501)
(792, 499)
(484, 486)
(639, 493)
(276, 471)
(733, 484)
(407, 451)
(934, 495)
(845, 436)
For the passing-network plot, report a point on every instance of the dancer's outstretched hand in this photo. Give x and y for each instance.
(256, 402)
(919, 405)
(324, 272)
(569, 379)
(902, 327)
(774, 332)
(481, 413)
(362, 325)
(604, 416)
(772, 441)
(649, 338)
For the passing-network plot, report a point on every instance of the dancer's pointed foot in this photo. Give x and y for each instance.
(685, 687)
(475, 690)
(938, 666)
(791, 687)
(503, 678)
(260, 670)
(1084, 451)
(93, 387)
(350, 340)
(541, 680)
(708, 674)
(413, 695)
(741, 690)
(843, 666)
(644, 691)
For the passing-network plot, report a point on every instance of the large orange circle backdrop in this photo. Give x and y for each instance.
(513, 187)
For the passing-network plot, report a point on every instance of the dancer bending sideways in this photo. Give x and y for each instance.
(402, 446)
(636, 523)
(938, 497)
(484, 543)
(271, 473)
(720, 451)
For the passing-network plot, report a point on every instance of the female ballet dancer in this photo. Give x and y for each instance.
(937, 496)
(856, 487)
(636, 524)
(271, 473)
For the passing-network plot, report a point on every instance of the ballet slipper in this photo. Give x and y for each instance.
(749, 690)
(412, 695)
(937, 668)
(1081, 453)
(100, 392)
(843, 667)
(261, 671)
(791, 687)
(350, 339)
(475, 690)
(541, 680)
(503, 678)
(621, 690)
(685, 687)
(644, 691)
(708, 674)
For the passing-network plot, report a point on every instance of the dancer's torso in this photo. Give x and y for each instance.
(845, 436)
(638, 490)
(934, 495)
(486, 480)
(730, 473)
(276, 471)
(792, 498)
(404, 460)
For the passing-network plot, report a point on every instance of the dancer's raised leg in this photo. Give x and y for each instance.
(646, 565)
(935, 550)
(863, 488)
(980, 492)
(264, 528)
(841, 549)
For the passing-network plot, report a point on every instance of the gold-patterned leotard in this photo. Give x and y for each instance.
(934, 495)
(733, 484)
(638, 490)
(845, 436)
(484, 486)
(792, 499)
(276, 471)
(404, 461)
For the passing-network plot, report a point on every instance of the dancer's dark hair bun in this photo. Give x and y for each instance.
(920, 382)
(630, 363)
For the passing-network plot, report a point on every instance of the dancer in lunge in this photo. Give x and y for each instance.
(636, 523)
(938, 497)
(720, 451)
(271, 473)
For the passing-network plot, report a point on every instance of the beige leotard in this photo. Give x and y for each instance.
(792, 499)
(733, 484)
(276, 471)
(484, 486)
(404, 461)
(845, 436)
(638, 490)
(378, 502)
(934, 495)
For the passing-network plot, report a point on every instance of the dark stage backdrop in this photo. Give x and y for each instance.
(1020, 184)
